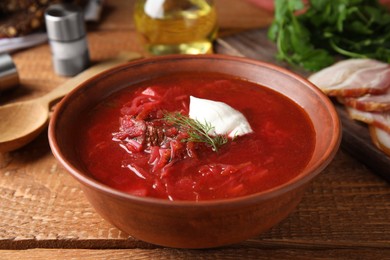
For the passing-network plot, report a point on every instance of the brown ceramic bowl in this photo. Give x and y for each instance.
(186, 224)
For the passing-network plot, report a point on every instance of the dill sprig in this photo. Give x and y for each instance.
(198, 132)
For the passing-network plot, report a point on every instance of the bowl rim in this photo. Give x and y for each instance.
(293, 183)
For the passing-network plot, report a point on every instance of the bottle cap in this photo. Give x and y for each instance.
(8, 74)
(64, 22)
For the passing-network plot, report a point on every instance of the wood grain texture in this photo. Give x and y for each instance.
(264, 253)
(345, 213)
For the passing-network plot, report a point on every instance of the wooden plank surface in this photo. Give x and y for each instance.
(43, 212)
(210, 254)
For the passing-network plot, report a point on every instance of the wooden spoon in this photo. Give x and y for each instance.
(21, 122)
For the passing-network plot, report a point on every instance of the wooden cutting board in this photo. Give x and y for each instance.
(356, 138)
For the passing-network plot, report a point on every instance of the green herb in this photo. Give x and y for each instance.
(325, 28)
(197, 131)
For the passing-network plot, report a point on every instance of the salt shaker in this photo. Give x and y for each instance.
(8, 73)
(67, 36)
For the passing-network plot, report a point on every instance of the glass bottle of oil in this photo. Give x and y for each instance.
(176, 26)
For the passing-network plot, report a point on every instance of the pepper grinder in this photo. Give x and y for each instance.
(67, 36)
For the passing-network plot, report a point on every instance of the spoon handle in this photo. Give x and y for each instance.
(72, 83)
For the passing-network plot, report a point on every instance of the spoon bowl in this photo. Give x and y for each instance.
(21, 122)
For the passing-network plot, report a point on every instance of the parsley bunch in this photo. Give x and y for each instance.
(311, 35)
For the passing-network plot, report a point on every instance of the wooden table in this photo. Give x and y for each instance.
(345, 213)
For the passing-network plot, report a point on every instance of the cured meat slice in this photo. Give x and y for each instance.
(381, 139)
(380, 120)
(340, 71)
(370, 102)
(353, 78)
(363, 86)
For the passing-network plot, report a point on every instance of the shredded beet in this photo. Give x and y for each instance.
(142, 129)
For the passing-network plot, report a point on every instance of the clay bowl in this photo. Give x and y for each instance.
(186, 224)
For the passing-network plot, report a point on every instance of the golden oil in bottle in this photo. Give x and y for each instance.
(176, 26)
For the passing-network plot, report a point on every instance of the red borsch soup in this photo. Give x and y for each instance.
(127, 143)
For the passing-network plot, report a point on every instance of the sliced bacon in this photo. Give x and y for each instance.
(353, 78)
(380, 120)
(363, 86)
(340, 71)
(381, 139)
(377, 103)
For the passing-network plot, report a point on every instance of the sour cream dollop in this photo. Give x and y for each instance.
(224, 118)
